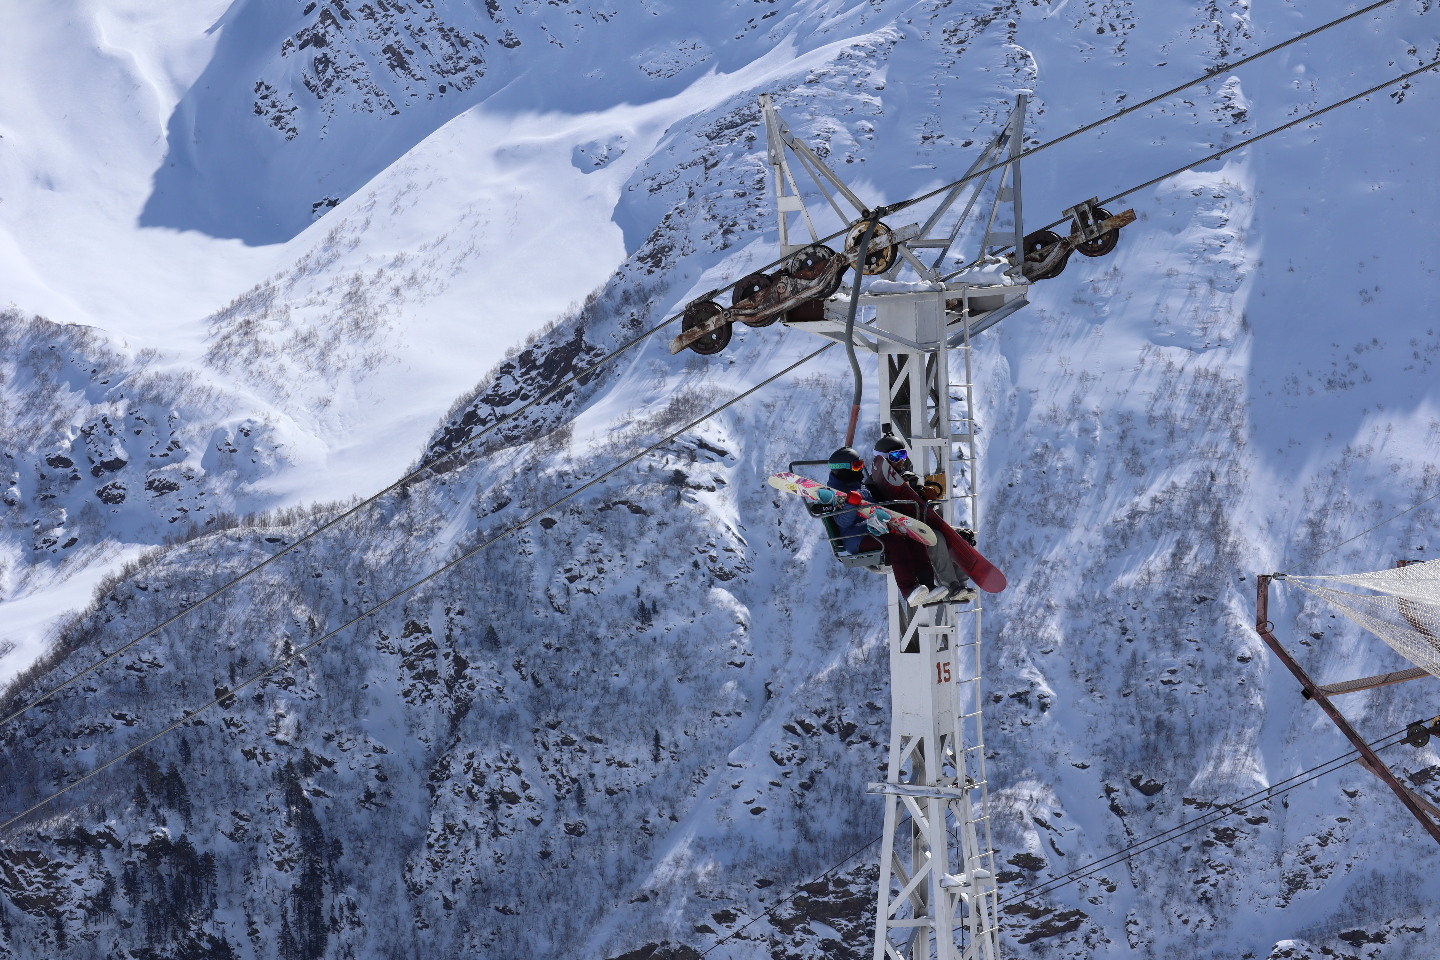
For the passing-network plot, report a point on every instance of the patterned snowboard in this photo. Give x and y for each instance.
(817, 492)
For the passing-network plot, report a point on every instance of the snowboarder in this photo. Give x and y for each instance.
(892, 481)
(908, 559)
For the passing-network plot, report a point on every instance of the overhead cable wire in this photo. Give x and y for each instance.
(639, 338)
(255, 678)
(646, 334)
(1207, 76)
(1206, 819)
(1412, 507)
(1109, 118)
(1139, 846)
(539, 399)
(1268, 133)
(580, 375)
(356, 508)
(1237, 146)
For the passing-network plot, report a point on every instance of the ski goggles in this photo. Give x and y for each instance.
(856, 465)
(896, 456)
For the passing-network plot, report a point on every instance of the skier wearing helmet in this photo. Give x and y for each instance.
(908, 559)
(892, 481)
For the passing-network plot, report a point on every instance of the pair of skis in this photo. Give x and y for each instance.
(981, 571)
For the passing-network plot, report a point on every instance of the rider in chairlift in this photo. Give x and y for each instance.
(909, 562)
(892, 478)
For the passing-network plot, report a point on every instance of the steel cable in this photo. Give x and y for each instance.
(229, 693)
(546, 395)
(1268, 133)
(1204, 820)
(1208, 75)
(580, 375)
(1412, 507)
(1139, 846)
(398, 484)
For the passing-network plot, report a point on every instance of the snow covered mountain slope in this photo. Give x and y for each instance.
(629, 727)
(349, 340)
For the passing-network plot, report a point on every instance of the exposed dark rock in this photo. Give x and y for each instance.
(665, 950)
(512, 384)
(160, 486)
(1027, 861)
(1066, 921)
(1146, 786)
(112, 493)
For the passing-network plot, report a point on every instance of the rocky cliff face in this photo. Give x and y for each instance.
(633, 719)
(293, 80)
(105, 448)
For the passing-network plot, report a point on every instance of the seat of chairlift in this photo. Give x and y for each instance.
(865, 559)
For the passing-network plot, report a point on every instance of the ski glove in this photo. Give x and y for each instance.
(876, 527)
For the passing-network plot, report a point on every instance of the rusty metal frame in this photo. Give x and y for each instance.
(1422, 809)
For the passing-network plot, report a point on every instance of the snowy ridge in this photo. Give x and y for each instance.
(627, 729)
(113, 451)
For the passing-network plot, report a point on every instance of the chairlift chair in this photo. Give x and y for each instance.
(872, 560)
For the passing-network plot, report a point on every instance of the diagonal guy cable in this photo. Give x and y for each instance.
(1140, 846)
(404, 591)
(412, 475)
(1190, 826)
(1208, 75)
(1413, 506)
(644, 335)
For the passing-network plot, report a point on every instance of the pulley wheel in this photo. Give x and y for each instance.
(746, 289)
(1417, 734)
(879, 253)
(811, 263)
(1035, 243)
(1102, 244)
(695, 315)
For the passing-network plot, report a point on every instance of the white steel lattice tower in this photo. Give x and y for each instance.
(937, 871)
(937, 894)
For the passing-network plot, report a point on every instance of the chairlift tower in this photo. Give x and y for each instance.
(922, 307)
(937, 892)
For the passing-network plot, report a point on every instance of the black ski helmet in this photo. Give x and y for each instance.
(888, 443)
(850, 456)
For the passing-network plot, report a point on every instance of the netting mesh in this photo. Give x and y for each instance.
(1403, 610)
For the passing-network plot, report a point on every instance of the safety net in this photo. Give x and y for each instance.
(1401, 607)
